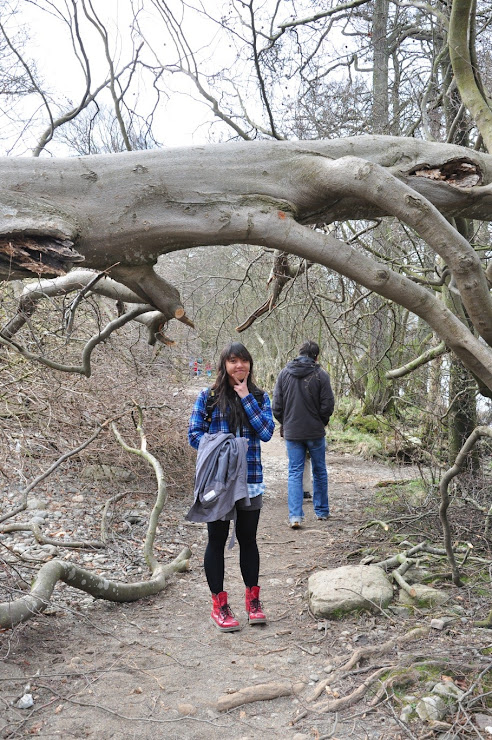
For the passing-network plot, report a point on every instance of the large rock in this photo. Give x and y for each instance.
(425, 596)
(332, 593)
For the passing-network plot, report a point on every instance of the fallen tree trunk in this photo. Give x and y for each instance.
(120, 212)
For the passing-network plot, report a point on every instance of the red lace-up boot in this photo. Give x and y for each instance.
(253, 606)
(222, 615)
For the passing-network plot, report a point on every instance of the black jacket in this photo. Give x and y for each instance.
(303, 399)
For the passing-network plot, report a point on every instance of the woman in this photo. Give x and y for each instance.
(235, 405)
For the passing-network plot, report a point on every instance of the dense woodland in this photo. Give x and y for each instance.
(95, 329)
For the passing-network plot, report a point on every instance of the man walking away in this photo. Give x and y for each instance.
(303, 403)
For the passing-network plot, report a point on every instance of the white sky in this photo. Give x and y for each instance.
(181, 120)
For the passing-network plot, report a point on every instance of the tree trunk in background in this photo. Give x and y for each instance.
(379, 390)
(380, 76)
(462, 389)
(462, 414)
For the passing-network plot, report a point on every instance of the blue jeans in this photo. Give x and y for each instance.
(296, 451)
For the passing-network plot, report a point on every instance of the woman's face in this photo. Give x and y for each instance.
(236, 369)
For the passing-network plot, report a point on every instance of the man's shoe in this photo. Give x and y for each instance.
(295, 523)
(306, 494)
(222, 615)
(323, 518)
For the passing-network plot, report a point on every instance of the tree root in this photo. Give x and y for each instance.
(261, 692)
(334, 705)
(400, 679)
(364, 653)
(486, 623)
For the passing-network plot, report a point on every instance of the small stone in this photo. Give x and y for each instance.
(328, 668)
(442, 623)
(25, 702)
(437, 624)
(41, 513)
(406, 713)
(458, 609)
(483, 721)
(36, 503)
(78, 498)
(186, 709)
(431, 708)
(400, 611)
(448, 690)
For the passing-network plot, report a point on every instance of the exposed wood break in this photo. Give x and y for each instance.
(460, 173)
(37, 255)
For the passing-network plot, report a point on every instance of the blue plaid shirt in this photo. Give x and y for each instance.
(260, 418)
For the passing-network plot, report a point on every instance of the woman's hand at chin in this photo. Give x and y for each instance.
(241, 386)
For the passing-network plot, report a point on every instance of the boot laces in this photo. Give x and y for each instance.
(226, 611)
(254, 605)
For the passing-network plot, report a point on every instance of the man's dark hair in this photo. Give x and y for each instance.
(311, 349)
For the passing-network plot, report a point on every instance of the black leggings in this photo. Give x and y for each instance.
(249, 557)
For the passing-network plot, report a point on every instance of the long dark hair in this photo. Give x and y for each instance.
(227, 399)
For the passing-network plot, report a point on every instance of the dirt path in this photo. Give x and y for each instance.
(156, 668)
